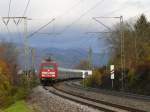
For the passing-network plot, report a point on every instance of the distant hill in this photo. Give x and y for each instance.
(68, 58)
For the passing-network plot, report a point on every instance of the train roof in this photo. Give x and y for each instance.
(45, 61)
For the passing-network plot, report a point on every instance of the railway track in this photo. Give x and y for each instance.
(120, 94)
(94, 103)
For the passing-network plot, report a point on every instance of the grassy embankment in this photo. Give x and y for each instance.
(19, 106)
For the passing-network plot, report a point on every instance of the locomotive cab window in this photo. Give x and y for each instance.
(48, 67)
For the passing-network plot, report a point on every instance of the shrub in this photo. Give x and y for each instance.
(25, 86)
(139, 79)
(12, 86)
(95, 79)
(5, 84)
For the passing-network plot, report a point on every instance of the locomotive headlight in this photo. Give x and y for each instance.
(44, 73)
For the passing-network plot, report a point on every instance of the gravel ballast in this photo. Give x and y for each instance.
(114, 99)
(42, 100)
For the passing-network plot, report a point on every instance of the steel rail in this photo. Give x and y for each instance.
(83, 103)
(113, 92)
(125, 108)
(99, 101)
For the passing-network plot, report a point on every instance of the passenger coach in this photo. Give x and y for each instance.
(50, 72)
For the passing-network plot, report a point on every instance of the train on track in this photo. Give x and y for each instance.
(50, 72)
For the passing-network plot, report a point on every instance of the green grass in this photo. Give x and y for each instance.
(19, 106)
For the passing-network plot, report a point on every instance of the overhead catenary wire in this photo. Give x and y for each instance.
(68, 26)
(16, 21)
(102, 24)
(32, 34)
(136, 15)
(9, 6)
(96, 5)
(66, 12)
(122, 8)
(7, 21)
(20, 19)
(70, 9)
(10, 34)
(26, 8)
(118, 9)
(6, 24)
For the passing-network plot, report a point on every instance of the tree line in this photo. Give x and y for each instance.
(136, 55)
(136, 52)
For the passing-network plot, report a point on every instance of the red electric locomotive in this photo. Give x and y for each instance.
(48, 72)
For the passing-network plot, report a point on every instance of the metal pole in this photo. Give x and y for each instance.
(33, 58)
(83, 76)
(112, 83)
(135, 45)
(122, 48)
(90, 58)
(122, 53)
(83, 82)
(26, 51)
(26, 45)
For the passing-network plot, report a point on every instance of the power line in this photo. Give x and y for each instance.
(26, 8)
(147, 9)
(68, 26)
(66, 12)
(118, 9)
(122, 47)
(69, 10)
(130, 18)
(105, 32)
(102, 24)
(49, 33)
(121, 8)
(6, 24)
(41, 28)
(60, 16)
(9, 7)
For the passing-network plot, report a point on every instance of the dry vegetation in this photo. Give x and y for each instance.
(137, 59)
(13, 87)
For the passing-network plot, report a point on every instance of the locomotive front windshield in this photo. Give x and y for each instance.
(48, 67)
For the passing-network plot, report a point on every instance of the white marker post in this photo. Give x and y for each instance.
(112, 76)
(83, 76)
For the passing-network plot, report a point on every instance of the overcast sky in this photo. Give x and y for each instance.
(53, 8)
(68, 11)
(71, 15)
